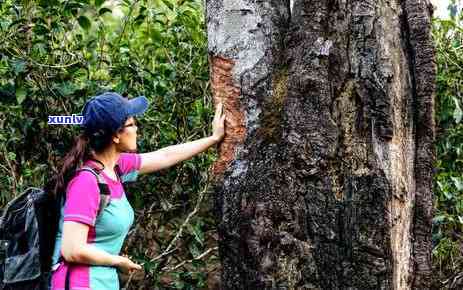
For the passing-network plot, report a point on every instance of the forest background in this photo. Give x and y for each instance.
(55, 54)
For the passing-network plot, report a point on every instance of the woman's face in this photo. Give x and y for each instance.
(128, 136)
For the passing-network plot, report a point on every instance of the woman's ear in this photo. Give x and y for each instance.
(116, 138)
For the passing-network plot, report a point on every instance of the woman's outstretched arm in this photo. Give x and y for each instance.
(171, 155)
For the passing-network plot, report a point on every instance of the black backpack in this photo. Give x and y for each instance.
(28, 229)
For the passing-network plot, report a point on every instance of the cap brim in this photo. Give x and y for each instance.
(137, 106)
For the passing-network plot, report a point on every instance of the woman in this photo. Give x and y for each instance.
(89, 247)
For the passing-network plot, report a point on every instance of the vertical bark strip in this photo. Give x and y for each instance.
(418, 17)
(330, 133)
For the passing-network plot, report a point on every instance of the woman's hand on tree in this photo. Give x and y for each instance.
(218, 124)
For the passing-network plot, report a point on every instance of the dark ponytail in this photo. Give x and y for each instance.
(84, 148)
(80, 152)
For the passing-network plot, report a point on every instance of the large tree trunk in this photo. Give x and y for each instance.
(325, 175)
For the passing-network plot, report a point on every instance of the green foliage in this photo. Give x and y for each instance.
(56, 54)
(448, 200)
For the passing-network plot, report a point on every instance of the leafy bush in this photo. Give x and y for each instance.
(448, 199)
(55, 54)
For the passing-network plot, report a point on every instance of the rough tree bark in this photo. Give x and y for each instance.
(325, 175)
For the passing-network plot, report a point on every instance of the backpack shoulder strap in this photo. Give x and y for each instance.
(119, 175)
(105, 194)
(95, 172)
(118, 172)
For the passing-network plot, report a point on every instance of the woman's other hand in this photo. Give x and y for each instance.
(125, 264)
(218, 124)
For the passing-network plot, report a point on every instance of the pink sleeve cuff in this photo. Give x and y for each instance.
(137, 161)
(79, 218)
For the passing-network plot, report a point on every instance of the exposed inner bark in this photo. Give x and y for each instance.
(225, 91)
(322, 188)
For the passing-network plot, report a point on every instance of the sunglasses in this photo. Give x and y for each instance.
(134, 123)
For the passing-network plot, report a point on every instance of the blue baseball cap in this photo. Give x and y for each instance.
(109, 111)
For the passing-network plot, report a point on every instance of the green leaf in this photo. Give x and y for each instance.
(21, 94)
(104, 10)
(169, 4)
(194, 250)
(123, 50)
(156, 35)
(179, 284)
(41, 29)
(11, 156)
(441, 186)
(18, 66)
(197, 233)
(84, 22)
(139, 19)
(66, 88)
(438, 219)
(98, 3)
(27, 172)
(72, 8)
(448, 195)
(457, 113)
(458, 182)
